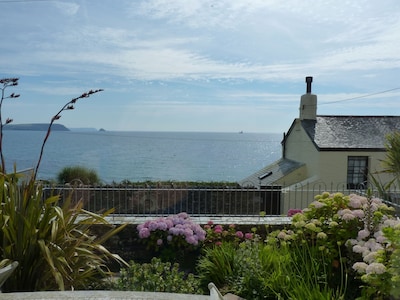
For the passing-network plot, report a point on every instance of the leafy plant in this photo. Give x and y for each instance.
(51, 241)
(156, 276)
(79, 173)
(303, 274)
(217, 264)
(392, 161)
(393, 236)
(348, 230)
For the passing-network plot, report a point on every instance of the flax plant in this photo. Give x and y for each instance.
(52, 241)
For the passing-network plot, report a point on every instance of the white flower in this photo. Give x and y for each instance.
(376, 268)
(355, 202)
(373, 245)
(362, 234)
(348, 217)
(333, 224)
(359, 213)
(380, 237)
(317, 204)
(391, 223)
(360, 267)
(281, 235)
(351, 242)
(359, 249)
(370, 258)
(342, 212)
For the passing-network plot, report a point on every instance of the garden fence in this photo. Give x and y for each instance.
(202, 201)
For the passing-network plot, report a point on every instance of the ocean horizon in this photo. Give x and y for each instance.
(144, 155)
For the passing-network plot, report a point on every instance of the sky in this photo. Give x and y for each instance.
(198, 65)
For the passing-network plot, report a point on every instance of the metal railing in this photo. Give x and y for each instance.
(162, 201)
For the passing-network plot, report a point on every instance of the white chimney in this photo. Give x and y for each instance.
(308, 103)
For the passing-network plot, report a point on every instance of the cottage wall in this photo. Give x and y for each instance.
(300, 148)
(333, 165)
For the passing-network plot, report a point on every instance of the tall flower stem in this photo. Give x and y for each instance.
(68, 106)
(5, 82)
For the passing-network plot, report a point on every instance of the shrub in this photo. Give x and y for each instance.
(78, 173)
(252, 270)
(216, 234)
(393, 236)
(349, 231)
(156, 276)
(218, 265)
(171, 236)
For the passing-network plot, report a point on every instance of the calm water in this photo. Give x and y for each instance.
(139, 156)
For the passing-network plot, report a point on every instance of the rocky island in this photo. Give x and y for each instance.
(35, 127)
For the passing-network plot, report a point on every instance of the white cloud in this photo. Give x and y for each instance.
(67, 8)
(201, 51)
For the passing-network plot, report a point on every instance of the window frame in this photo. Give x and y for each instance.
(357, 171)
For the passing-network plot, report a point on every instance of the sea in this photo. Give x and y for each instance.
(119, 156)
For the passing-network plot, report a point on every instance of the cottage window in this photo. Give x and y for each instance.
(357, 171)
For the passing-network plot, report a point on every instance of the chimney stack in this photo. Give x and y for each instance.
(308, 103)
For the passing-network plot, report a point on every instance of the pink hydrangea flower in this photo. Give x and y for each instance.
(144, 233)
(239, 234)
(293, 211)
(248, 236)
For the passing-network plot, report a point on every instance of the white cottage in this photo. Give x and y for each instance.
(338, 151)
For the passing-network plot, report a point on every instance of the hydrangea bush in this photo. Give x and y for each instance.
(350, 230)
(176, 231)
(216, 234)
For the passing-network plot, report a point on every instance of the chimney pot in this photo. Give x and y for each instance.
(309, 81)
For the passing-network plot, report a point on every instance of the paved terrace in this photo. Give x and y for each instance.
(99, 295)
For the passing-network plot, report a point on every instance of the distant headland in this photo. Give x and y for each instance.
(35, 127)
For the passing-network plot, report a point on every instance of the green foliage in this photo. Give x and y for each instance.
(218, 265)
(78, 173)
(392, 162)
(391, 165)
(393, 236)
(52, 243)
(217, 234)
(334, 249)
(157, 276)
(348, 232)
(303, 274)
(267, 271)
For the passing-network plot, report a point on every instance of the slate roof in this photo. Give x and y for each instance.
(271, 173)
(351, 132)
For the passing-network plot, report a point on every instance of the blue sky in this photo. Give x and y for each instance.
(199, 65)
